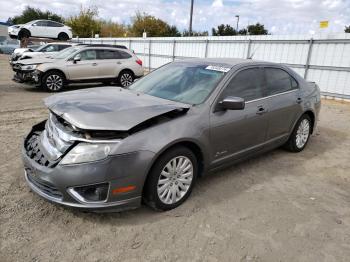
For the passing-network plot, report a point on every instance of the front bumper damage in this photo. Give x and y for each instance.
(60, 183)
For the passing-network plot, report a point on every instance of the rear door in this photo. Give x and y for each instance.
(85, 69)
(109, 63)
(53, 29)
(283, 98)
(236, 133)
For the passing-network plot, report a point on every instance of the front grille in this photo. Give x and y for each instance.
(44, 187)
(33, 150)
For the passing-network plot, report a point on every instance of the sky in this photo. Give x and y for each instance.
(278, 16)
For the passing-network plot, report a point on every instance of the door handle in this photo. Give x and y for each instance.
(299, 100)
(94, 64)
(261, 110)
(119, 63)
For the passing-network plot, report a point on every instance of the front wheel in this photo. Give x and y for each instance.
(300, 135)
(126, 78)
(63, 37)
(53, 81)
(171, 180)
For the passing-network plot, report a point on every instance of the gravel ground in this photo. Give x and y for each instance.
(277, 207)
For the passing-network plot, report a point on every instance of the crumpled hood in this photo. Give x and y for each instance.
(109, 108)
(36, 61)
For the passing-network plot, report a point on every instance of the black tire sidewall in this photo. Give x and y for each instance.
(63, 37)
(150, 193)
(292, 146)
(125, 72)
(45, 78)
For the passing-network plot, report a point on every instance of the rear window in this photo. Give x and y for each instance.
(279, 81)
(124, 55)
(107, 54)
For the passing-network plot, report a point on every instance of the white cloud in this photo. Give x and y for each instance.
(280, 17)
(217, 3)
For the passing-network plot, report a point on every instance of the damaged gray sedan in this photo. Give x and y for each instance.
(113, 148)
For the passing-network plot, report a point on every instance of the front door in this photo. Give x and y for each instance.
(86, 68)
(236, 133)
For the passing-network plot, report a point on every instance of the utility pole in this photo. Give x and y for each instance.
(237, 16)
(191, 15)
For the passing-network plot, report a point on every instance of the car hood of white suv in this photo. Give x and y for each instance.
(37, 60)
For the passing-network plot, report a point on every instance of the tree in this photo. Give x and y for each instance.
(243, 31)
(85, 24)
(111, 29)
(257, 29)
(152, 25)
(347, 29)
(195, 33)
(31, 13)
(224, 30)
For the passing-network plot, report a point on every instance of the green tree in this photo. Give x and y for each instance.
(257, 29)
(85, 24)
(111, 29)
(195, 33)
(152, 25)
(31, 13)
(347, 29)
(224, 30)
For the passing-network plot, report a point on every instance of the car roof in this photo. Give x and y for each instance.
(226, 61)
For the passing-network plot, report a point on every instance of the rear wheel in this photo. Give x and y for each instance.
(126, 78)
(63, 37)
(171, 179)
(300, 135)
(53, 81)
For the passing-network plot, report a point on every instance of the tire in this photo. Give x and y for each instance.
(23, 34)
(63, 37)
(161, 181)
(53, 81)
(125, 78)
(300, 135)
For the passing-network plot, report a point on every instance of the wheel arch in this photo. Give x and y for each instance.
(24, 30)
(125, 70)
(55, 70)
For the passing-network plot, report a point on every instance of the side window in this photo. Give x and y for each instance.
(279, 81)
(61, 47)
(88, 55)
(50, 48)
(40, 23)
(53, 24)
(246, 84)
(106, 54)
(124, 55)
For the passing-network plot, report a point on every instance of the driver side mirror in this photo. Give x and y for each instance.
(76, 58)
(232, 103)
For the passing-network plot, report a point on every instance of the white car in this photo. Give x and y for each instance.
(43, 51)
(41, 28)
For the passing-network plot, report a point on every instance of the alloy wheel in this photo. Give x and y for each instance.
(54, 82)
(126, 79)
(303, 133)
(175, 180)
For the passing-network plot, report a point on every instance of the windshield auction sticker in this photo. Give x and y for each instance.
(218, 68)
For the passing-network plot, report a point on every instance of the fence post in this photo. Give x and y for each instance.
(174, 44)
(149, 55)
(129, 44)
(308, 58)
(206, 48)
(248, 48)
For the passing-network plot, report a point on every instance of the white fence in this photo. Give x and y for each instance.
(324, 59)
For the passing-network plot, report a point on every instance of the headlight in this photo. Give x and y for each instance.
(28, 67)
(86, 152)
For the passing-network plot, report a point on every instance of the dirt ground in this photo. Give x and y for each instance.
(277, 207)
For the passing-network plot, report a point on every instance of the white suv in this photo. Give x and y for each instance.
(85, 63)
(41, 28)
(42, 51)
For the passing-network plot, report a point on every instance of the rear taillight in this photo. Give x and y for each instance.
(139, 62)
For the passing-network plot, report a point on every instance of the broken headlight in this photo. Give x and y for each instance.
(87, 152)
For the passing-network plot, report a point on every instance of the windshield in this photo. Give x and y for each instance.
(40, 48)
(181, 82)
(65, 53)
